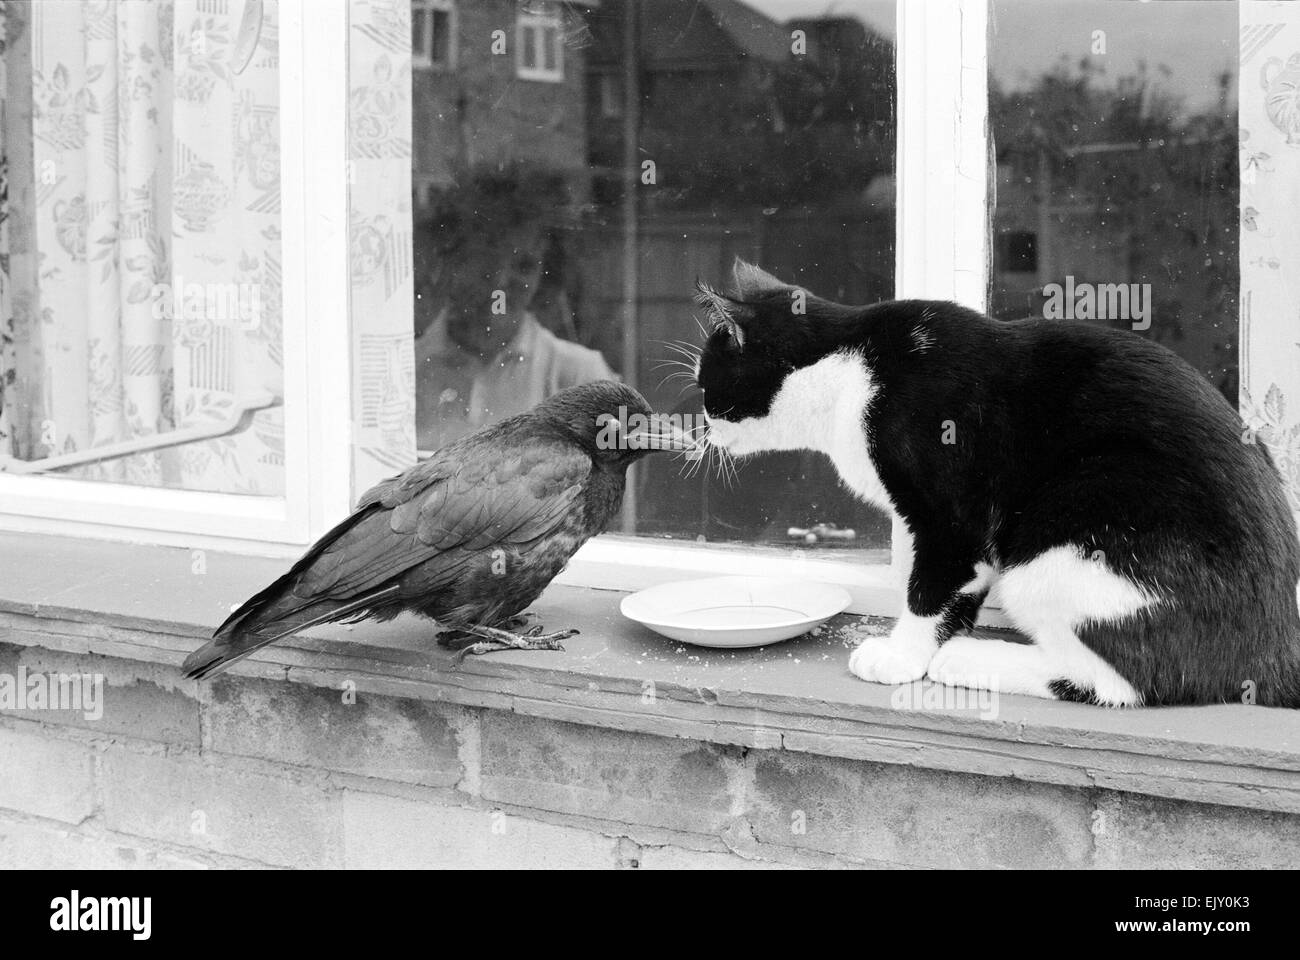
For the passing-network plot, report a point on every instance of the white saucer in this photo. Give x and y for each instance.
(735, 611)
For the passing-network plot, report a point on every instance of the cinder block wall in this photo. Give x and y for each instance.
(259, 773)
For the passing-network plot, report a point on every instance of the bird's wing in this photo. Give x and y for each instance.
(500, 491)
(498, 488)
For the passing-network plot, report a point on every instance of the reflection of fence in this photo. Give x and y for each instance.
(843, 257)
(847, 257)
(1162, 211)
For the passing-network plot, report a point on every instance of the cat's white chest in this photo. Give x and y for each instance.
(852, 458)
(845, 441)
(819, 407)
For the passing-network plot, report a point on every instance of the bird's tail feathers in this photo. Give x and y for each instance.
(267, 617)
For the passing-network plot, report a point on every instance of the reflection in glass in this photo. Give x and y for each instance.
(568, 197)
(1115, 127)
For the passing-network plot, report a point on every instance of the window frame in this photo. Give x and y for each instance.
(424, 59)
(942, 176)
(943, 249)
(941, 63)
(317, 409)
(537, 24)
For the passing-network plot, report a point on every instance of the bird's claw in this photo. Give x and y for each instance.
(494, 639)
(478, 649)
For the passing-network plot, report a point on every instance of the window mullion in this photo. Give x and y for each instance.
(942, 242)
(942, 160)
(318, 348)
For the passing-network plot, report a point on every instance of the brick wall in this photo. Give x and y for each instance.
(248, 772)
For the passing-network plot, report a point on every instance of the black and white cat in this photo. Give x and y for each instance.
(1110, 497)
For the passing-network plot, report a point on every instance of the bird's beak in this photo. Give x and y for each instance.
(660, 433)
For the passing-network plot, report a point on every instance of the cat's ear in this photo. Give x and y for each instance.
(751, 280)
(724, 312)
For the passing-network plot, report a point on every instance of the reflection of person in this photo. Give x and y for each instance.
(481, 354)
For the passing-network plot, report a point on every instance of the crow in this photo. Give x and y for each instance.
(468, 537)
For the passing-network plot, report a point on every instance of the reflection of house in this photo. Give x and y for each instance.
(497, 81)
(852, 73)
(1056, 220)
(693, 59)
(1038, 241)
(761, 151)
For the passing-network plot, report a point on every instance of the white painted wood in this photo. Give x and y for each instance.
(317, 381)
(943, 185)
(117, 511)
(943, 212)
(942, 251)
(315, 156)
(629, 563)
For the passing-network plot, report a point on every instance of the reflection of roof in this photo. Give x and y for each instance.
(755, 33)
(684, 34)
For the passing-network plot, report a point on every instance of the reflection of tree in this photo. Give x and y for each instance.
(1135, 172)
(813, 128)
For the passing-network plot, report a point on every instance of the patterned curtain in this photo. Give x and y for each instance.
(1269, 105)
(383, 292)
(145, 282)
(7, 370)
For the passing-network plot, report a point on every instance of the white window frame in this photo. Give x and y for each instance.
(530, 29)
(942, 193)
(941, 163)
(942, 251)
(317, 345)
(423, 59)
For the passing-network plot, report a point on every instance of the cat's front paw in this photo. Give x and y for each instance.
(963, 662)
(900, 657)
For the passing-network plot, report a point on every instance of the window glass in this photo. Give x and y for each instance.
(763, 129)
(1115, 130)
(431, 32)
(441, 37)
(549, 37)
(528, 45)
(140, 252)
(419, 30)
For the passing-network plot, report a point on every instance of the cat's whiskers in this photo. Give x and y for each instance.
(696, 455)
(687, 363)
(682, 372)
(730, 472)
(690, 356)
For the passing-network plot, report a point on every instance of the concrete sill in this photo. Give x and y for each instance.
(156, 604)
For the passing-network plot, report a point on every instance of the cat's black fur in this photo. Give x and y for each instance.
(1065, 433)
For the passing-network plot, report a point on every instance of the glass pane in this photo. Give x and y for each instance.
(528, 46)
(550, 38)
(1115, 127)
(140, 269)
(777, 149)
(441, 36)
(419, 18)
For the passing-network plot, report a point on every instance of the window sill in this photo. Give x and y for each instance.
(155, 604)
